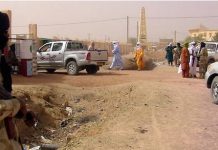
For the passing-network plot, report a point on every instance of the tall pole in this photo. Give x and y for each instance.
(137, 34)
(175, 36)
(127, 29)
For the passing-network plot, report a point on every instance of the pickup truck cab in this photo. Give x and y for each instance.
(71, 55)
(212, 48)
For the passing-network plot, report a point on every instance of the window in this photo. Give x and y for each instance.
(78, 45)
(74, 46)
(45, 48)
(57, 46)
(69, 47)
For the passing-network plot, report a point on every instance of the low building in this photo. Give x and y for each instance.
(204, 32)
(163, 43)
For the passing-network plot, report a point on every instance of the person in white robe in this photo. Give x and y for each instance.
(193, 59)
(117, 59)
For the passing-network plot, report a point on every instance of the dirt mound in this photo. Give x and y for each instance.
(130, 64)
(59, 111)
(49, 112)
(149, 60)
(66, 113)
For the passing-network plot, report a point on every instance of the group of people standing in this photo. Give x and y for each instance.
(117, 59)
(173, 54)
(188, 57)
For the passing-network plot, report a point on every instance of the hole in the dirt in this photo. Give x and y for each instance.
(87, 119)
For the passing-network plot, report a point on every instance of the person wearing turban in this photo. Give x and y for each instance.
(185, 61)
(176, 54)
(193, 59)
(117, 59)
(139, 56)
(203, 60)
(169, 54)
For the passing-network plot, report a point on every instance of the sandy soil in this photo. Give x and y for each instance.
(147, 110)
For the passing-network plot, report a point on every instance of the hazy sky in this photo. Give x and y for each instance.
(70, 13)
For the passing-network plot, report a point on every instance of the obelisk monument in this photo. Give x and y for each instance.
(142, 31)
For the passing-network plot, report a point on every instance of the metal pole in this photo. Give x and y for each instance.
(127, 38)
(137, 31)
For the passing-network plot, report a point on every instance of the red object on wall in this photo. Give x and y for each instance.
(23, 67)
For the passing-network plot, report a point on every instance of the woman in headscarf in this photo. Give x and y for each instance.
(193, 59)
(203, 60)
(185, 61)
(139, 55)
(169, 54)
(117, 59)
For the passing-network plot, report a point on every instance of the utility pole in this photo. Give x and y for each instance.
(137, 34)
(175, 36)
(127, 28)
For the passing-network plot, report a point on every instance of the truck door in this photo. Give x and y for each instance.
(43, 56)
(57, 54)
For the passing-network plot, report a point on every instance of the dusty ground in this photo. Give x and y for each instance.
(112, 110)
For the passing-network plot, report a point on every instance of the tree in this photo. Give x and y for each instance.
(215, 37)
(198, 38)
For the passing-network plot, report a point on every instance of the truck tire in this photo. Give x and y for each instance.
(92, 69)
(72, 68)
(50, 70)
(214, 90)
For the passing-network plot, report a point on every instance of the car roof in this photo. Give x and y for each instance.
(211, 42)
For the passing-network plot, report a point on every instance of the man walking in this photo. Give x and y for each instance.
(117, 59)
(139, 55)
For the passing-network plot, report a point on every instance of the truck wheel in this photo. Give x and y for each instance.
(214, 90)
(92, 69)
(72, 68)
(50, 70)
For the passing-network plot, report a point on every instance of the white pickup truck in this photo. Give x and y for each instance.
(211, 78)
(71, 55)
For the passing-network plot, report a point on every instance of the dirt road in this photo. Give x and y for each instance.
(147, 110)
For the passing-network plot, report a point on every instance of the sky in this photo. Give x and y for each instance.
(106, 20)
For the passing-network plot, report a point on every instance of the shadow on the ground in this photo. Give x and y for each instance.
(111, 72)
